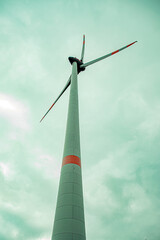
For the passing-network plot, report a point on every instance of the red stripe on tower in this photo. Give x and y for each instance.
(71, 159)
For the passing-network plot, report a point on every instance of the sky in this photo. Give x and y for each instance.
(119, 105)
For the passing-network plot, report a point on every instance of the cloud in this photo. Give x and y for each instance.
(20, 227)
(6, 170)
(119, 192)
(14, 112)
(26, 202)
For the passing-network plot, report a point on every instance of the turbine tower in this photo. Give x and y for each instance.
(69, 221)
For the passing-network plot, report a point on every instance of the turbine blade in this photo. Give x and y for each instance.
(83, 47)
(64, 89)
(105, 56)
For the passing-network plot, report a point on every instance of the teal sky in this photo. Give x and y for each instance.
(119, 115)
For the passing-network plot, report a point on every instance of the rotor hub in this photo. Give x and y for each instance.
(79, 63)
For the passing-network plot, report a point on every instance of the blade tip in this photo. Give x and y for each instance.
(41, 119)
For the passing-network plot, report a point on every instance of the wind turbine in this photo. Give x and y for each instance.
(69, 221)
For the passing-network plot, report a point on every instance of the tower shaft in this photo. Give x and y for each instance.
(69, 217)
